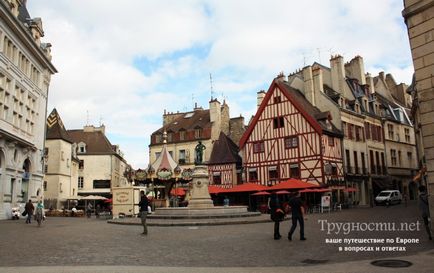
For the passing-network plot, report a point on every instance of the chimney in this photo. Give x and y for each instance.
(308, 85)
(381, 76)
(260, 97)
(281, 77)
(215, 118)
(337, 73)
(370, 83)
(318, 83)
(356, 69)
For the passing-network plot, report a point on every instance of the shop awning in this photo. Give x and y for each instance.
(261, 193)
(292, 184)
(247, 187)
(351, 189)
(282, 192)
(215, 189)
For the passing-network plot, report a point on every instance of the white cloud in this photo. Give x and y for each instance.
(96, 43)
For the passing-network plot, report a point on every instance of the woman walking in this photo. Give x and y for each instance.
(39, 215)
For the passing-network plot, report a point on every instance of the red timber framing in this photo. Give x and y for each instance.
(224, 175)
(283, 153)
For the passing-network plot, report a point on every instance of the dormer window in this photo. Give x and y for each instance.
(158, 138)
(182, 134)
(81, 147)
(169, 136)
(198, 132)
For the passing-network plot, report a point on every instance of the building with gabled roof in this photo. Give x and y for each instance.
(225, 164)
(25, 75)
(61, 164)
(185, 129)
(102, 165)
(290, 137)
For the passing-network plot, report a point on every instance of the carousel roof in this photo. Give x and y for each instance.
(164, 161)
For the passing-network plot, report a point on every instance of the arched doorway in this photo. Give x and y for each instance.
(26, 179)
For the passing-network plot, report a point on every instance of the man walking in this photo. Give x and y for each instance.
(29, 208)
(143, 204)
(297, 210)
(424, 209)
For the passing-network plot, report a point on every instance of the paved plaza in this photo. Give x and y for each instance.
(94, 242)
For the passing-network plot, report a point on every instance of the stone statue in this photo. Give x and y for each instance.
(199, 153)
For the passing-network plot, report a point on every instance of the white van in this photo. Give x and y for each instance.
(388, 197)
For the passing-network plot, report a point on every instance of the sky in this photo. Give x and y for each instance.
(122, 63)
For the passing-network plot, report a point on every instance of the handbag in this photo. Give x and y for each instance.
(24, 213)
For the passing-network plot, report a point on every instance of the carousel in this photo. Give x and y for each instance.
(167, 183)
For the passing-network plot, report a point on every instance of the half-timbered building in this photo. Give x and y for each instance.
(224, 166)
(290, 138)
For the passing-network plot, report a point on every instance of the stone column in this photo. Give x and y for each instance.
(200, 197)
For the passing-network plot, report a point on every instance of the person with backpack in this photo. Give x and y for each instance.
(276, 214)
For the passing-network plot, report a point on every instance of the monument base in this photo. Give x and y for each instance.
(200, 203)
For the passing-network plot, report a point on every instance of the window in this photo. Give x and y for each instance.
(390, 132)
(331, 141)
(399, 158)
(216, 178)
(169, 137)
(362, 155)
(258, 147)
(278, 122)
(81, 148)
(358, 137)
(62, 155)
(45, 185)
(46, 168)
(198, 133)
(272, 173)
(253, 174)
(345, 129)
(350, 131)
(182, 135)
(158, 138)
(291, 142)
(393, 156)
(46, 151)
(171, 154)
(409, 157)
(80, 182)
(81, 165)
(334, 170)
(367, 131)
(277, 99)
(181, 156)
(407, 135)
(356, 163)
(157, 154)
(294, 171)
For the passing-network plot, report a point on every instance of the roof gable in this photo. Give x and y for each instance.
(56, 129)
(96, 142)
(303, 108)
(224, 151)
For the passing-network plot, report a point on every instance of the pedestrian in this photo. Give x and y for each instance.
(424, 209)
(39, 215)
(89, 210)
(29, 208)
(276, 214)
(97, 210)
(298, 215)
(143, 204)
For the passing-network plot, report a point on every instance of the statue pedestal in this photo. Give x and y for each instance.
(200, 197)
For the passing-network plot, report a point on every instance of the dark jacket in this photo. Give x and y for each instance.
(143, 204)
(29, 208)
(276, 212)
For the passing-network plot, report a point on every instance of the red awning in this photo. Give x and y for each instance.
(351, 189)
(316, 190)
(247, 187)
(178, 192)
(282, 192)
(215, 189)
(292, 184)
(261, 193)
(108, 200)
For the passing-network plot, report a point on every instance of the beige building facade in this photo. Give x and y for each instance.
(25, 74)
(419, 17)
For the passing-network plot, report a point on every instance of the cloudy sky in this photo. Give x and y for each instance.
(123, 62)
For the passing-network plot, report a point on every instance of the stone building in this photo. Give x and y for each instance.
(101, 165)
(25, 74)
(419, 17)
(185, 129)
(360, 104)
(61, 164)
